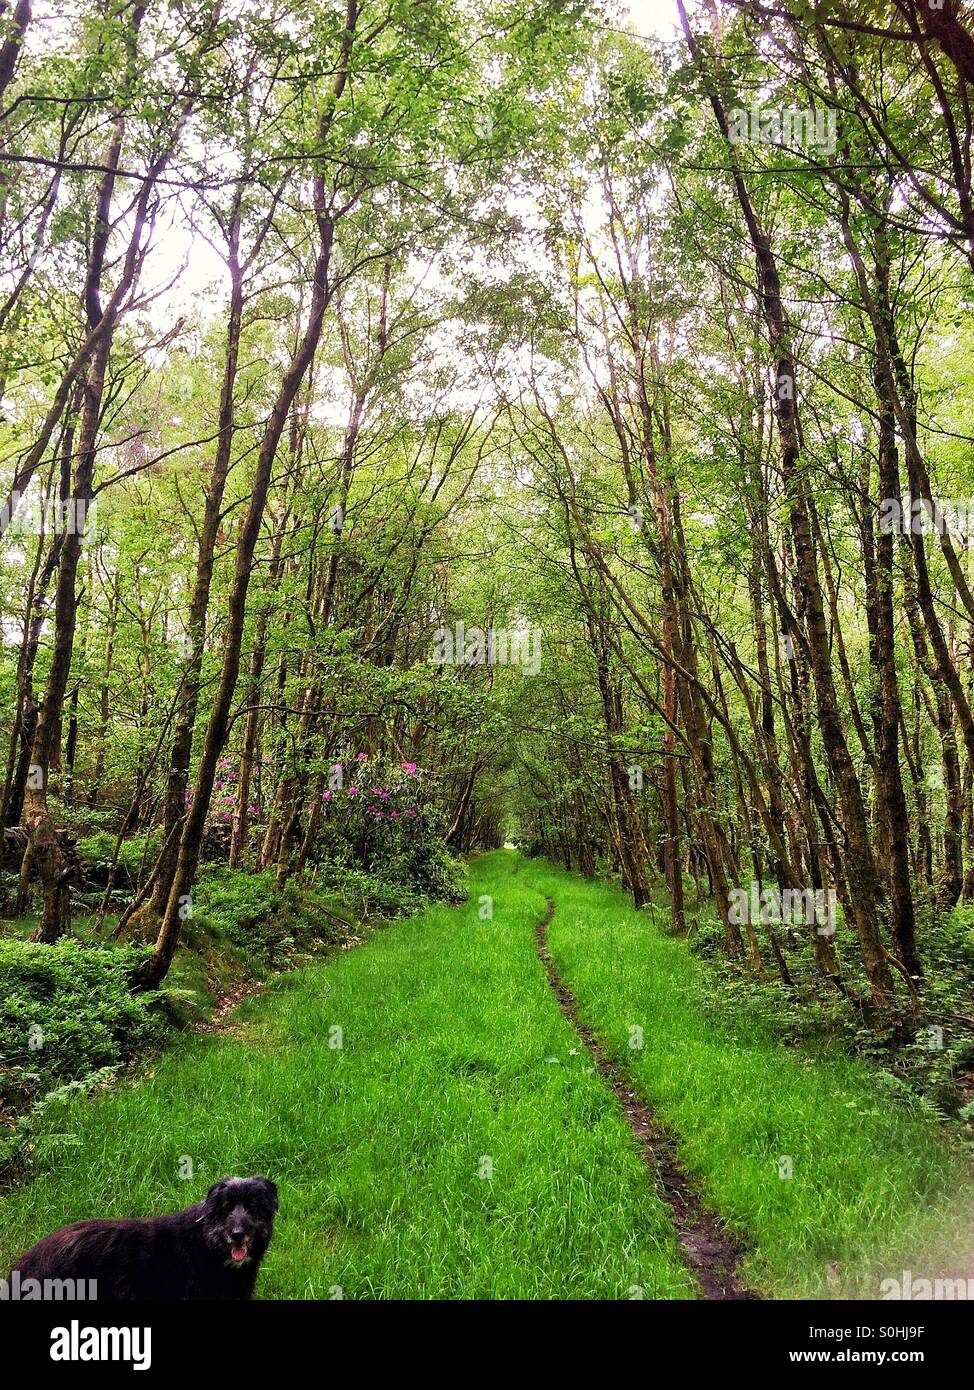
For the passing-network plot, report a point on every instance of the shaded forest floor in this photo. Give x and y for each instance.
(437, 1128)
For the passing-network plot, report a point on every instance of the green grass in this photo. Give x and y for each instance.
(874, 1188)
(450, 1031)
(455, 1052)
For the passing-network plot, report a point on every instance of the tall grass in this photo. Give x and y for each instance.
(874, 1188)
(455, 1062)
(458, 1144)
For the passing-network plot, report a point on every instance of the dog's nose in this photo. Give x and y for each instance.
(237, 1233)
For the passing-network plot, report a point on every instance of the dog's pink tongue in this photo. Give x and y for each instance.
(238, 1253)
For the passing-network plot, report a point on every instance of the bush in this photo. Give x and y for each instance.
(66, 1012)
(81, 820)
(311, 919)
(243, 910)
(380, 842)
(428, 865)
(135, 857)
(368, 894)
(239, 908)
(27, 1132)
(927, 1055)
(948, 942)
(231, 903)
(401, 885)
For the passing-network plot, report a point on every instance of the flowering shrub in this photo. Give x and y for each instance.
(381, 818)
(389, 795)
(226, 792)
(375, 818)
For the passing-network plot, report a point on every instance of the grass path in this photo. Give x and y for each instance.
(873, 1189)
(460, 1143)
(710, 1252)
(456, 1062)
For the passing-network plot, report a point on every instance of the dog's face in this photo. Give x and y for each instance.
(239, 1218)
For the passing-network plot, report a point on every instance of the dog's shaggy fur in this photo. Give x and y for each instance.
(211, 1250)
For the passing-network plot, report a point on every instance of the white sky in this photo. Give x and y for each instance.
(202, 280)
(653, 16)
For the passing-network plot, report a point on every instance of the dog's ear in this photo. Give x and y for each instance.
(270, 1189)
(215, 1191)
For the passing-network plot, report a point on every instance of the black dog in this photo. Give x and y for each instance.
(211, 1250)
